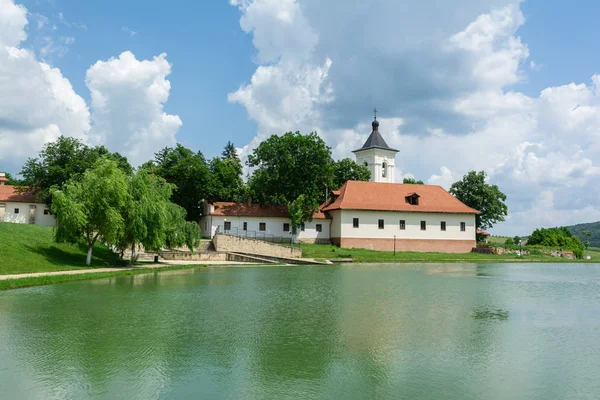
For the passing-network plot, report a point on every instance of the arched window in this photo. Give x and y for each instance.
(384, 170)
(366, 164)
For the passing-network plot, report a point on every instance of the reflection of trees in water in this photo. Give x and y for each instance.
(125, 331)
(297, 328)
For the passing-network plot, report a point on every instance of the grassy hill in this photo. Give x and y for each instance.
(31, 248)
(592, 226)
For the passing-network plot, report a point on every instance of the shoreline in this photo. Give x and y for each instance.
(17, 281)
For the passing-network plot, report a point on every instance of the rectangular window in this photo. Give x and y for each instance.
(443, 225)
(227, 225)
(355, 222)
(16, 210)
(46, 212)
(286, 227)
(245, 226)
(262, 226)
(319, 228)
(302, 227)
(381, 224)
(423, 225)
(463, 226)
(402, 224)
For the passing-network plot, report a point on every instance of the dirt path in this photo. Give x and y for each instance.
(99, 270)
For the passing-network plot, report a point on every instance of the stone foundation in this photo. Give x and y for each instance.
(418, 245)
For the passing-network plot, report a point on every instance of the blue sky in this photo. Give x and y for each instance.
(212, 56)
(462, 85)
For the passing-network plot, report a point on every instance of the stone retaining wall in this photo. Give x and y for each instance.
(227, 243)
(203, 256)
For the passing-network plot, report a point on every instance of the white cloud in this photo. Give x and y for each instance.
(128, 96)
(439, 72)
(37, 104)
(13, 19)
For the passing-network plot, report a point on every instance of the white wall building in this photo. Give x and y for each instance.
(377, 215)
(260, 221)
(22, 208)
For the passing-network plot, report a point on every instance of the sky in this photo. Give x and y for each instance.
(506, 86)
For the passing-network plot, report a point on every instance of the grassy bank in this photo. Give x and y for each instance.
(330, 252)
(47, 280)
(31, 248)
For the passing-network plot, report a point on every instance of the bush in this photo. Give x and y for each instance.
(560, 238)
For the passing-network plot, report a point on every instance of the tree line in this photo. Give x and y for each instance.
(292, 169)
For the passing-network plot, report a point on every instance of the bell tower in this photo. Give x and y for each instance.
(377, 156)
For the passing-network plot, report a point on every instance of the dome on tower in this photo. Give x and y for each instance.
(375, 140)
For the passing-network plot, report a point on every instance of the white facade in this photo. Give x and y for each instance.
(317, 229)
(26, 213)
(342, 225)
(381, 163)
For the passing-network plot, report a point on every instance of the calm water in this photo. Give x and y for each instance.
(350, 332)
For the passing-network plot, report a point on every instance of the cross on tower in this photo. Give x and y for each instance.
(375, 111)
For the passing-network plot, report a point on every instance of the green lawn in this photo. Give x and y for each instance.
(331, 252)
(31, 248)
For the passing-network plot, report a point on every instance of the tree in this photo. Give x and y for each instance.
(412, 181)
(473, 191)
(189, 172)
(557, 238)
(61, 160)
(587, 235)
(146, 213)
(517, 239)
(90, 208)
(181, 232)
(230, 152)
(296, 211)
(226, 183)
(348, 170)
(291, 165)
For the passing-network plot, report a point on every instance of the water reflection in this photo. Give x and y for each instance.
(352, 332)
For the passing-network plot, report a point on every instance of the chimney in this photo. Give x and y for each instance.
(249, 201)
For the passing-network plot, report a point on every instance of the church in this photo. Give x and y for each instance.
(375, 215)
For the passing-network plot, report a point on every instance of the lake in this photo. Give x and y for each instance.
(435, 331)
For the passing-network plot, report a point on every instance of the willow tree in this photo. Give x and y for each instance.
(146, 213)
(181, 232)
(90, 207)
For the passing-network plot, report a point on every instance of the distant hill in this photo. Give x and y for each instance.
(592, 226)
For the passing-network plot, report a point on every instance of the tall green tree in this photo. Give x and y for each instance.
(473, 191)
(181, 232)
(189, 172)
(226, 183)
(146, 213)
(587, 235)
(348, 170)
(64, 159)
(90, 208)
(291, 165)
(412, 181)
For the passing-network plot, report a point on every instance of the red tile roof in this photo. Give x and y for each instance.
(373, 196)
(3, 178)
(483, 233)
(10, 193)
(254, 210)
